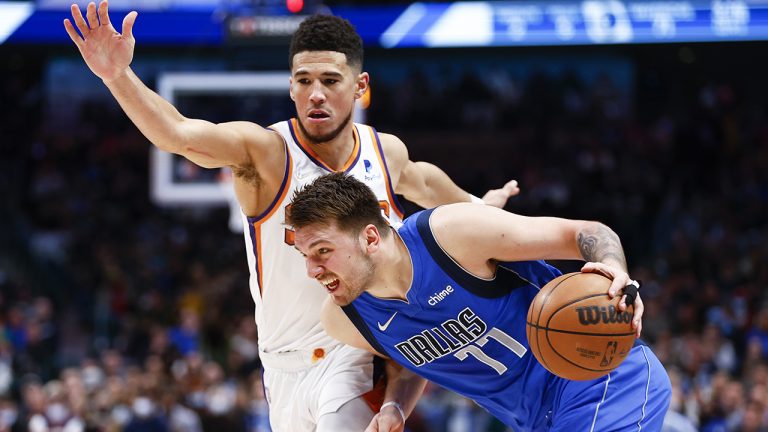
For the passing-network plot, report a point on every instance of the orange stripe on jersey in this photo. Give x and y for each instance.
(259, 220)
(257, 251)
(387, 182)
(282, 193)
(352, 157)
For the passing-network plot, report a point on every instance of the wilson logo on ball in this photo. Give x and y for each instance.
(589, 315)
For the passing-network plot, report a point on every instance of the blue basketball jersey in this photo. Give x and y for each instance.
(468, 334)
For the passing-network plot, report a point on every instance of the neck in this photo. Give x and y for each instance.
(336, 151)
(394, 272)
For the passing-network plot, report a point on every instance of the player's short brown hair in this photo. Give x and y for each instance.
(336, 198)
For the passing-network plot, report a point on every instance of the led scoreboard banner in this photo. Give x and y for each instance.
(575, 23)
(458, 24)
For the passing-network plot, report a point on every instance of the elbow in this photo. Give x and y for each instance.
(589, 234)
(169, 147)
(595, 226)
(599, 243)
(178, 137)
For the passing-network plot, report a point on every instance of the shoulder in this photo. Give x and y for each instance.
(455, 228)
(327, 314)
(335, 321)
(340, 327)
(394, 149)
(452, 215)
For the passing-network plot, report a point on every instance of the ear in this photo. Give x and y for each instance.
(362, 84)
(290, 89)
(371, 238)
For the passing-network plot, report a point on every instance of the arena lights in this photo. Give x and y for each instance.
(294, 6)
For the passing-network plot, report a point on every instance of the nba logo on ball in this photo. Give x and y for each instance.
(575, 330)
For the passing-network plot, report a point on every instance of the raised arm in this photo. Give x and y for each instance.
(109, 54)
(427, 185)
(505, 236)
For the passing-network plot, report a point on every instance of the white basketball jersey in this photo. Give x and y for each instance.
(287, 301)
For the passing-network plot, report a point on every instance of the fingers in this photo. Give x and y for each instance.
(373, 426)
(79, 21)
(593, 267)
(630, 292)
(73, 34)
(637, 318)
(511, 188)
(620, 280)
(104, 13)
(619, 277)
(128, 24)
(90, 13)
(386, 423)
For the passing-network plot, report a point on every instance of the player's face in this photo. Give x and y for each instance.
(324, 88)
(337, 260)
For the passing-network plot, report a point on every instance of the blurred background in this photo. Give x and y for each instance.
(122, 308)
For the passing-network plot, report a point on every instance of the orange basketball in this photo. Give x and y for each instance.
(575, 330)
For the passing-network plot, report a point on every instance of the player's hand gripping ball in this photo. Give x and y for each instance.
(576, 330)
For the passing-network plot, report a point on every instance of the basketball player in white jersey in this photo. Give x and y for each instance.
(312, 382)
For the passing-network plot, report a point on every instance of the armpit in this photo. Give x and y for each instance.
(248, 174)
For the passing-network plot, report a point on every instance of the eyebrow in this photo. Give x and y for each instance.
(316, 242)
(328, 73)
(311, 245)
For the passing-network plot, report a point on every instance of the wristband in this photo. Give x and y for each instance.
(397, 406)
(475, 200)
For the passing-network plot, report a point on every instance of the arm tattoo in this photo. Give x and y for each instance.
(600, 244)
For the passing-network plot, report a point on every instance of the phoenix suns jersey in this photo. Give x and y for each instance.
(288, 302)
(467, 334)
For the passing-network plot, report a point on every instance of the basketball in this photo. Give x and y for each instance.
(575, 329)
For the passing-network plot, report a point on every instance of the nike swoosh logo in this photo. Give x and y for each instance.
(386, 324)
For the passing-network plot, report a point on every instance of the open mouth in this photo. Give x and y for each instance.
(330, 285)
(318, 115)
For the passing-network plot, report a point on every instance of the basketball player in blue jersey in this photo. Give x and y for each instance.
(313, 382)
(446, 296)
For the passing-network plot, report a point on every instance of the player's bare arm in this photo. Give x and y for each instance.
(427, 185)
(598, 243)
(109, 54)
(253, 151)
(510, 237)
(404, 388)
(339, 327)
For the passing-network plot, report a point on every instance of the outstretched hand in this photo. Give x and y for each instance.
(498, 197)
(106, 52)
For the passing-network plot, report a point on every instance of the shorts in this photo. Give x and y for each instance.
(300, 387)
(634, 397)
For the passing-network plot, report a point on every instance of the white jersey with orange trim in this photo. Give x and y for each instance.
(288, 302)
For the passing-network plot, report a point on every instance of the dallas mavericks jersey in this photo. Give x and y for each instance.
(288, 303)
(462, 332)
